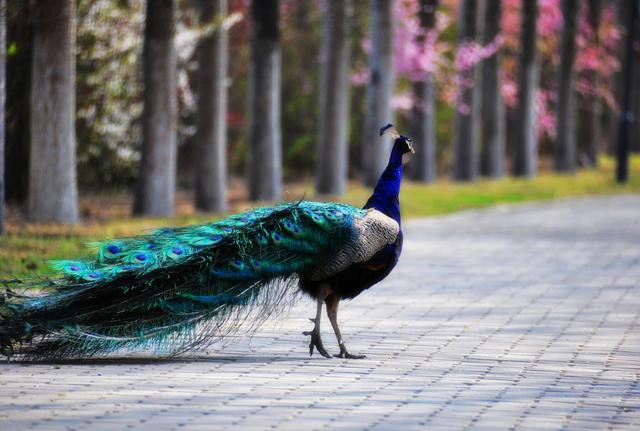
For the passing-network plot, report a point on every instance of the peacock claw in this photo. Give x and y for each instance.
(347, 355)
(316, 342)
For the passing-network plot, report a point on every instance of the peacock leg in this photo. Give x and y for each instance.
(316, 341)
(332, 312)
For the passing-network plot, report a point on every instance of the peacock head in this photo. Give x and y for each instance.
(401, 143)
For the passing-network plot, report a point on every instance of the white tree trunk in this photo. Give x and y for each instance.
(156, 184)
(376, 150)
(211, 136)
(333, 123)
(53, 193)
(265, 175)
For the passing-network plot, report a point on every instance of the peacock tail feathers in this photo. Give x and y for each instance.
(174, 289)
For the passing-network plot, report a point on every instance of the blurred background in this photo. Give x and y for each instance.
(160, 108)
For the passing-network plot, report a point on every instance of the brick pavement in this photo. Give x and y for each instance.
(522, 317)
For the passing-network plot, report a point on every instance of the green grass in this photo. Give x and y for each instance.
(27, 247)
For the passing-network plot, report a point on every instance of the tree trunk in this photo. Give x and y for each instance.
(623, 8)
(466, 133)
(376, 150)
(423, 115)
(493, 108)
(264, 119)
(53, 193)
(589, 109)
(211, 135)
(334, 98)
(589, 132)
(613, 112)
(3, 63)
(525, 139)
(588, 129)
(635, 141)
(625, 124)
(565, 149)
(156, 184)
(18, 101)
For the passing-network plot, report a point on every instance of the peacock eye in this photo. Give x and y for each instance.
(113, 249)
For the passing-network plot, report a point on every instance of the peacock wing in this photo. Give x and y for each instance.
(373, 230)
(272, 241)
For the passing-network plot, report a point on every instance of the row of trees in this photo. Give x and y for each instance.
(409, 50)
(486, 31)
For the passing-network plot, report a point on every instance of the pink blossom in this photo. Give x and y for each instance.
(366, 45)
(416, 53)
(549, 17)
(402, 102)
(596, 55)
(360, 77)
(471, 53)
(510, 22)
(546, 117)
(463, 108)
(509, 92)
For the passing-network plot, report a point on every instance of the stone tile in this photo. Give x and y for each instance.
(521, 317)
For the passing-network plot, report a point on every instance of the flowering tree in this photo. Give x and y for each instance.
(427, 57)
(429, 54)
(596, 54)
(597, 64)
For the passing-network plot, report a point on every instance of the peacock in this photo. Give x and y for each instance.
(180, 289)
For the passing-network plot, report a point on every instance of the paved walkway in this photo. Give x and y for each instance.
(521, 317)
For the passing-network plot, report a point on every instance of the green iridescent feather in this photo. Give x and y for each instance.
(175, 289)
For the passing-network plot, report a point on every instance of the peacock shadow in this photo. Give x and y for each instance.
(155, 360)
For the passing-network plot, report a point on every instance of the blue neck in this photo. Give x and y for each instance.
(385, 195)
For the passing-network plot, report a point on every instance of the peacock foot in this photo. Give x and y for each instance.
(316, 342)
(346, 355)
